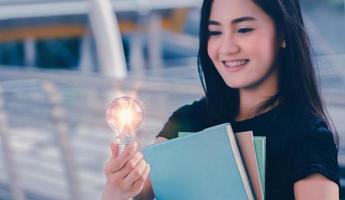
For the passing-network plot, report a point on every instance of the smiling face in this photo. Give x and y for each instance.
(242, 43)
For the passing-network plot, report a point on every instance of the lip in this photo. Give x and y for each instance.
(237, 68)
(228, 60)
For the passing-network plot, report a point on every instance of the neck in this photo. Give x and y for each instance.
(252, 97)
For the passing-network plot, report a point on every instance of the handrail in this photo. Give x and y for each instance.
(77, 7)
(158, 84)
(166, 85)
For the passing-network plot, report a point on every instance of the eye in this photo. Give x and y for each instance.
(214, 33)
(245, 30)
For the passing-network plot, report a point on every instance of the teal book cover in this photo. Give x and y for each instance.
(200, 166)
(260, 150)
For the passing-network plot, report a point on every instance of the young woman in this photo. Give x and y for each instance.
(256, 69)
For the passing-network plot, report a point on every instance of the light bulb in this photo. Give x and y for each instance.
(124, 115)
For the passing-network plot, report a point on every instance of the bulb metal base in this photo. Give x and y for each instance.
(124, 141)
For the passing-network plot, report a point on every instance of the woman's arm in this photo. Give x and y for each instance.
(316, 187)
(147, 193)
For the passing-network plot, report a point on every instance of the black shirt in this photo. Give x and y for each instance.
(298, 143)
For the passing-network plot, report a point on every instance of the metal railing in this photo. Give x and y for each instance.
(48, 140)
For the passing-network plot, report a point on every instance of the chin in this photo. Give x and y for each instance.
(238, 85)
(234, 85)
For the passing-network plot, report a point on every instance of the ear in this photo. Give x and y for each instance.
(280, 39)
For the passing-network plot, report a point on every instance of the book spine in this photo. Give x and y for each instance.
(239, 163)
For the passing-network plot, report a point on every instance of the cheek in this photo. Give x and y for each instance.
(211, 50)
(264, 51)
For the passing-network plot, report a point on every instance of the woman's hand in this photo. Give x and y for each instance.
(125, 174)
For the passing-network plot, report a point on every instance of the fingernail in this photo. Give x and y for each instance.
(113, 149)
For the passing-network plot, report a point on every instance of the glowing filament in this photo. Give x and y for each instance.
(124, 115)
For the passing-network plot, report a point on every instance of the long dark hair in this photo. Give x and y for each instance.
(296, 75)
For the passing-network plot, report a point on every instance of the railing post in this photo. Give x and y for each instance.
(154, 40)
(12, 170)
(87, 61)
(108, 39)
(63, 140)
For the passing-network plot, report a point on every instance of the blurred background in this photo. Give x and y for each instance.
(63, 61)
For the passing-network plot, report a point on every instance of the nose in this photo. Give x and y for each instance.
(229, 46)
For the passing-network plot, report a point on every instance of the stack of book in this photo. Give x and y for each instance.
(211, 164)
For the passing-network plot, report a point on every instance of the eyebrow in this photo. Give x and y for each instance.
(234, 21)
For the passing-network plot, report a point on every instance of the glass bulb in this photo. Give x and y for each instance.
(124, 115)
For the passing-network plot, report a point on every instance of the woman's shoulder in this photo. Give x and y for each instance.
(312, 123)
(196, 107)
(188, 118)
(312, 130)
(302, 120)
(302, 126)
(314, 150)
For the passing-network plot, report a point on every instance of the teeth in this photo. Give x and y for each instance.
(234, 63)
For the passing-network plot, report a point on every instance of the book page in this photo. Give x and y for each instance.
(246, 146)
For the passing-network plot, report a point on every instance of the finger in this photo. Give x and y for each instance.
(130, 165)
(138, 184)
(135, 174)
(121, 175)
(119, 178)
(109, 167)
(114, 149)
(127, 155)
(115, 164)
